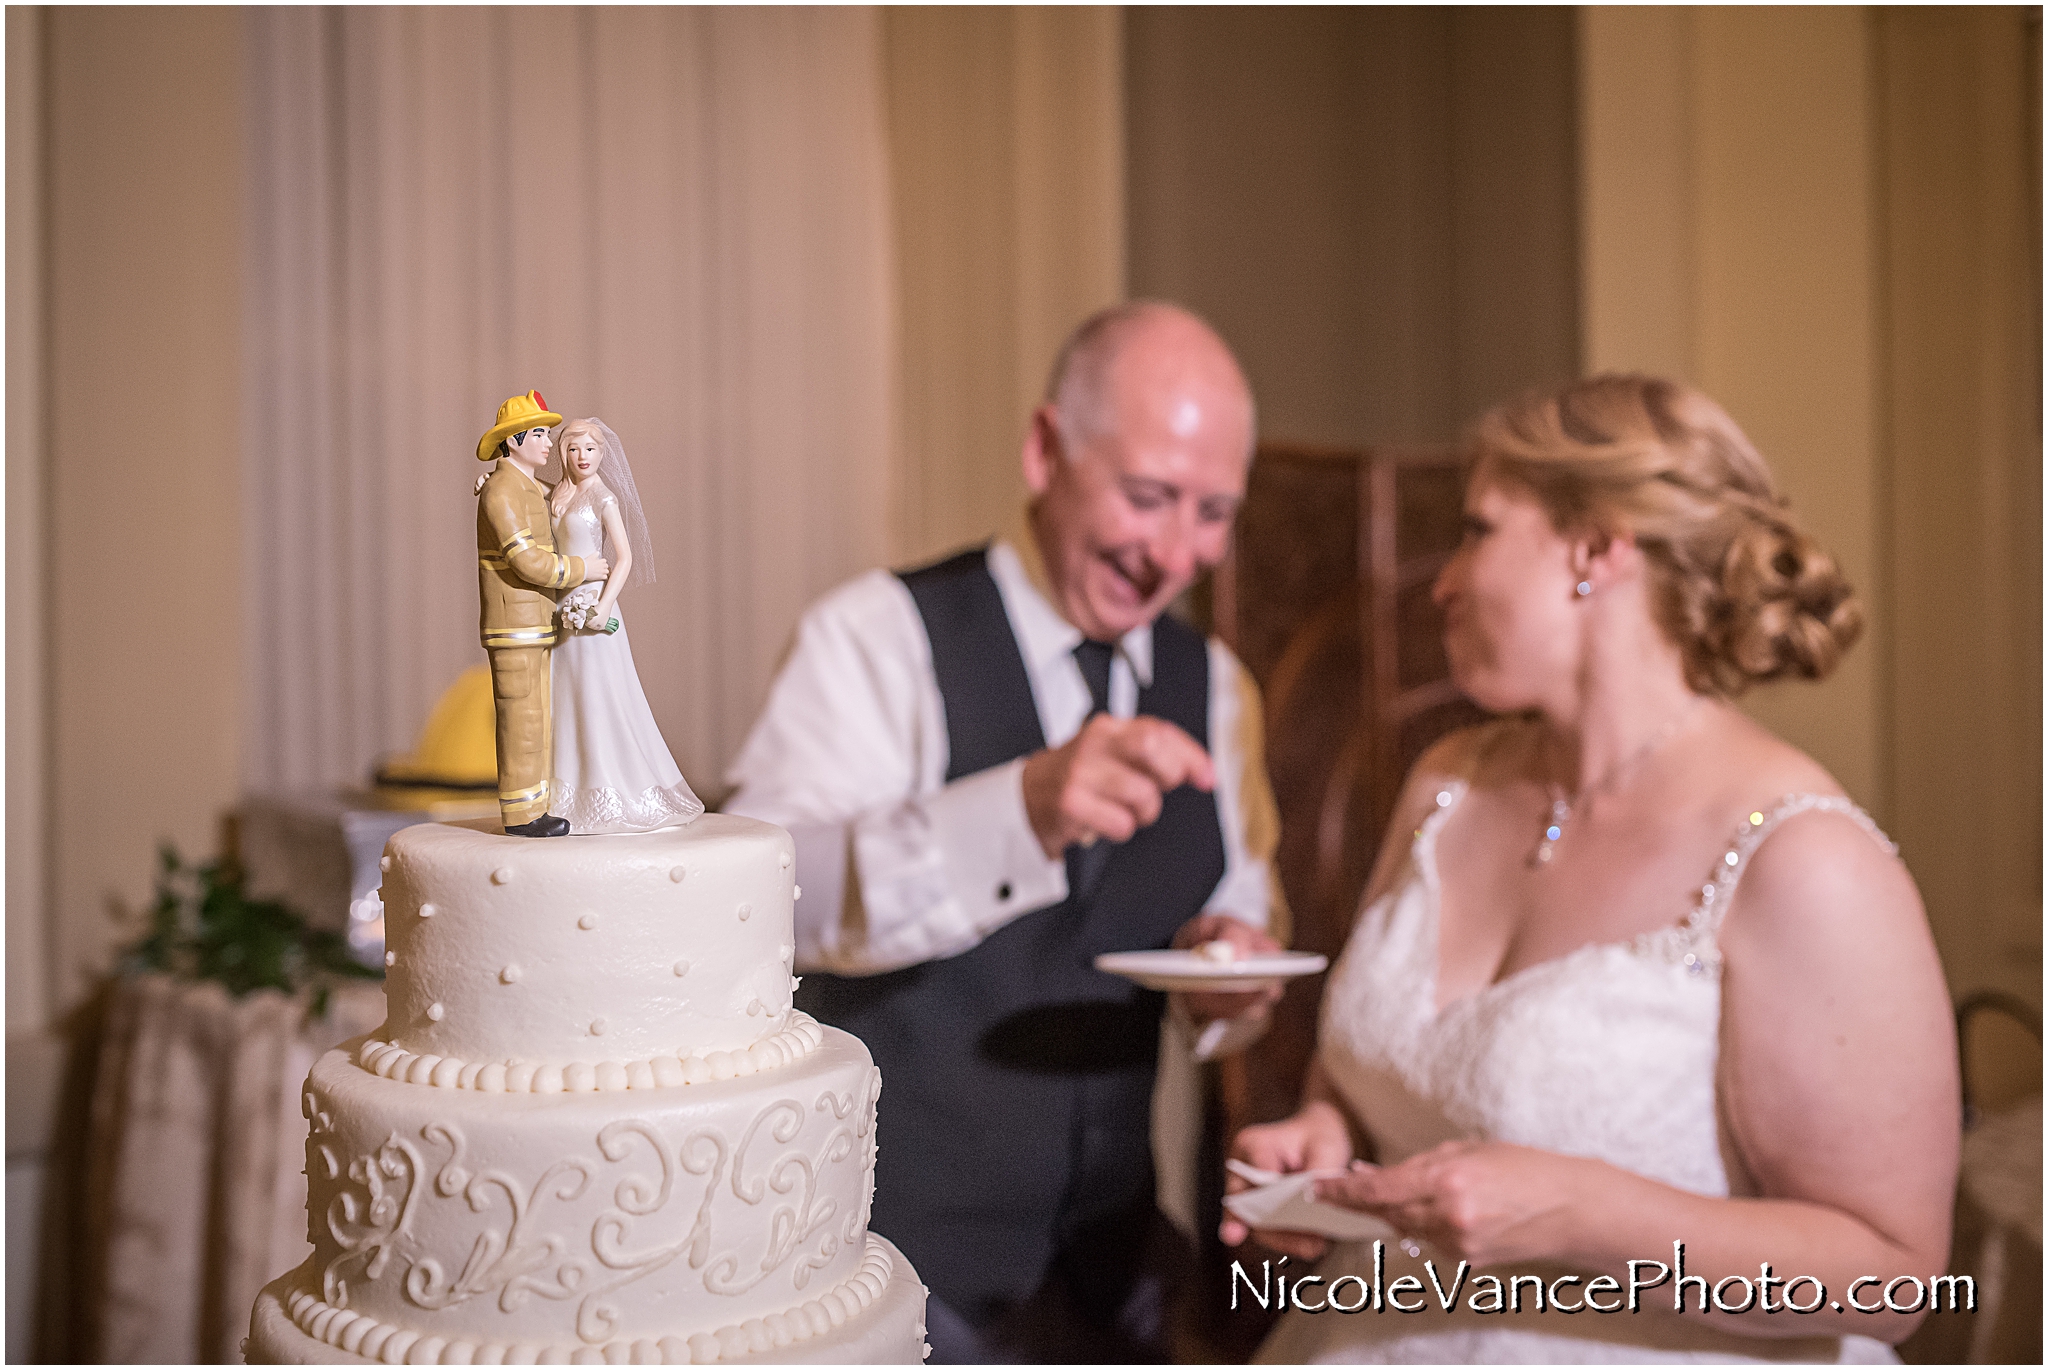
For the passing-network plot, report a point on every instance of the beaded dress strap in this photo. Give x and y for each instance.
(1719, 890)
(1422, 851)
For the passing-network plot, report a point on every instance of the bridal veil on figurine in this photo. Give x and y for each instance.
(612, 770)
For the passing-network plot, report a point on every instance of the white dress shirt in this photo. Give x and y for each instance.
(850, 755)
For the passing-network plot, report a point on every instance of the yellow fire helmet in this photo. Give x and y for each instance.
(516, 415)
(458, 749)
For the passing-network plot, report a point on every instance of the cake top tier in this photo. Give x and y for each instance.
(598, 951)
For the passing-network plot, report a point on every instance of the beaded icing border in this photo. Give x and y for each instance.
(796, 1040)
(365, 1336)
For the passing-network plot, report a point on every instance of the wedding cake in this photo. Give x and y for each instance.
(592, 1128)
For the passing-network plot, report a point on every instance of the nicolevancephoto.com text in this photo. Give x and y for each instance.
(1572, 1293)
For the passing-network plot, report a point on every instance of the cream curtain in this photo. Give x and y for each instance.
(676, 219)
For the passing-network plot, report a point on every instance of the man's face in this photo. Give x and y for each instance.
(1127, 518)
(530, 448)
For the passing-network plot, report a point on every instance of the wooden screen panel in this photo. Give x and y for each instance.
(1326, 599)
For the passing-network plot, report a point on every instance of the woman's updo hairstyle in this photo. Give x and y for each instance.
(1745, 594)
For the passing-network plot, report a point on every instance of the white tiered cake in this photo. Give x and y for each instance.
(592, 1129)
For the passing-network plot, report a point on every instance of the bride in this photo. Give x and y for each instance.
(1642, 975)
(613, 771)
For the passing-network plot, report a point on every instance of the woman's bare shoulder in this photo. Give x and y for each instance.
(1823, 870)
(1760, 768)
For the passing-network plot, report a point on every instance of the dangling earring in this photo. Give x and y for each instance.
(1583, 588)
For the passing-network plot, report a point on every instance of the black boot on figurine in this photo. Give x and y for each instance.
(547, 825)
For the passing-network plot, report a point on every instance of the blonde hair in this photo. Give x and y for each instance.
(587, 426)
(1736, 583)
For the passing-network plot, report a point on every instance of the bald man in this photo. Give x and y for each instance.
(998, 767)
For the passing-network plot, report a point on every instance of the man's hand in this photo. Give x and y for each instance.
(1110, 780)
(1246, 940)
(595, 568)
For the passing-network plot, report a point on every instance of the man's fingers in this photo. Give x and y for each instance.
(1221, 927)
(1123, 786)
(1164, 752)
(1120, 773)
(1089, 813)
(1109, 799)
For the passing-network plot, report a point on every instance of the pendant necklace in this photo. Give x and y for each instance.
(1562, 804)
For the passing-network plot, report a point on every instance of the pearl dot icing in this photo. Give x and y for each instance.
(436, 1012)
(383, 863)
(676, 873)
(746, 912)
(502, 876)
(783, 860)
(390, 958)
(587, 921)
(681, 968)
(510, 975)
(428, 910)
(798, 1035)
(796, 891)
(597, 1027)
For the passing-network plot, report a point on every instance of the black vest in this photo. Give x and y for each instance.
(1017, 1107)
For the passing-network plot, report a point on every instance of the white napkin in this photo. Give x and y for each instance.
(1287, 1203)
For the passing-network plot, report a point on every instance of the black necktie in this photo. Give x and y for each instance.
(1095, 658)
(1085, 864)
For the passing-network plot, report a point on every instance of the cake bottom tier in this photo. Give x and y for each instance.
(875, 1318)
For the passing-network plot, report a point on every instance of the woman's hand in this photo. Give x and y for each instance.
(1316, 1138)
(1484, 1202)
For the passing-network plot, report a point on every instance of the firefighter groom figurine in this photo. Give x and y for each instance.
(519, 577)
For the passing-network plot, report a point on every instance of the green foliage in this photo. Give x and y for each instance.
(203, 926)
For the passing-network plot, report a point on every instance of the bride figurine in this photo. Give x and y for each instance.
(613, 771)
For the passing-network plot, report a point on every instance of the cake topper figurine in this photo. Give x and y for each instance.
(519, 576)
(613, 772)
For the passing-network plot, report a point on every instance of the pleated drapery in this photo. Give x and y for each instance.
(196, 1185)
(676, 220)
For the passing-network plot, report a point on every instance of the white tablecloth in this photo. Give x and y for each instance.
(196, 1188)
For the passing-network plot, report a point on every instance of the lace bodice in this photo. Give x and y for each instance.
(1607, 1052)
(579, 532)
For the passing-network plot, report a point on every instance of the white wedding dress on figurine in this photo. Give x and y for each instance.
(1607, 1052)
(613, 771)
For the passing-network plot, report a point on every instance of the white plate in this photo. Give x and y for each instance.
(1186, 970)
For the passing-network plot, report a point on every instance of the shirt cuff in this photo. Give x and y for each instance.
(995, 868)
